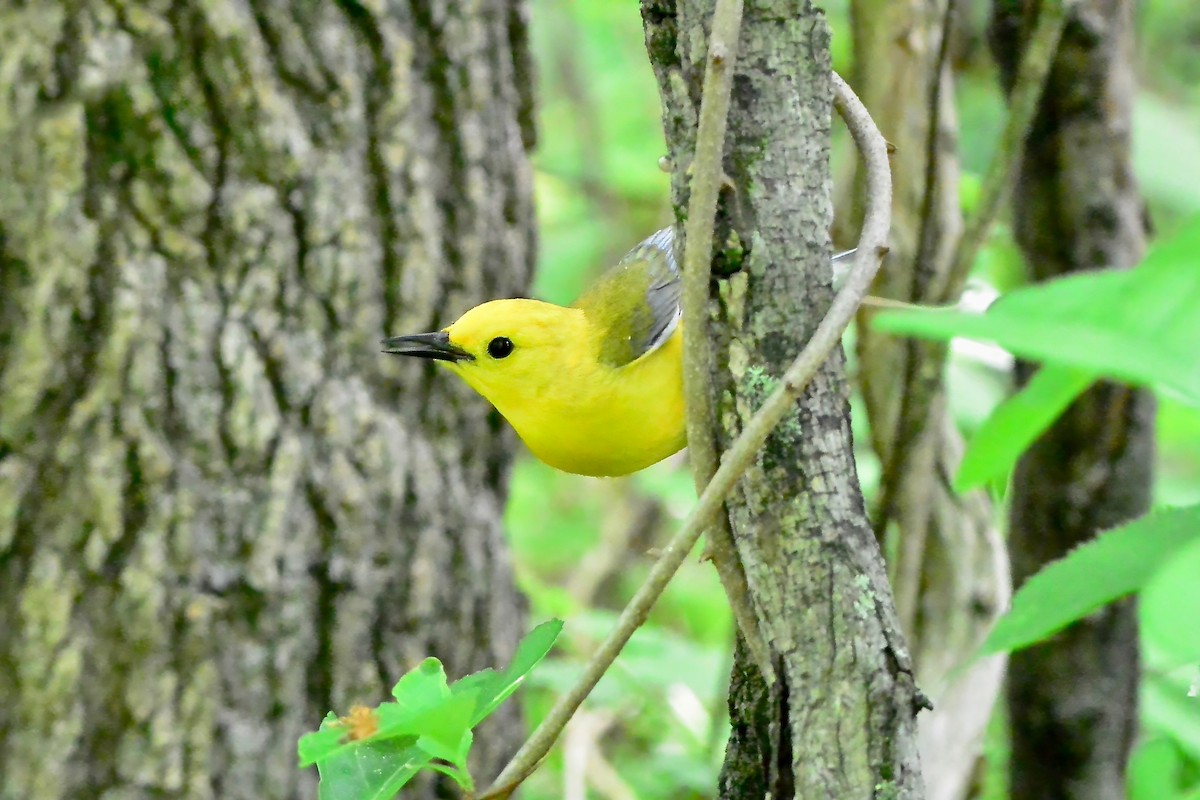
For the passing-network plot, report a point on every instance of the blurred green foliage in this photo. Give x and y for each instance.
(1140, 326)
(656, 727)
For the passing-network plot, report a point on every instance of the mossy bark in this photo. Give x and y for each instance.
(839, 719)
(1073, 700)
(222, 511)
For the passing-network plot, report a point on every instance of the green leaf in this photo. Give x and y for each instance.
(313, 747)
(421, 695)
(1154, 770)
(428, 720)
(422, 685)
(1139, 325)
(407, 739)
(532, 649)
(1017, 422)
(443, 728)
(1169, 608)
(464, 749)
(369, 771)
(475, 682)
(1114, 564)
(459, 776)
(421, 688)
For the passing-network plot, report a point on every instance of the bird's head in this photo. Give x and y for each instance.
(510, 351)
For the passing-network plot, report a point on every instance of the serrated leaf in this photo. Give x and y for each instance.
(1169, 608)
(422, 685)
(461, 777)
(421, 695)
(314, 746)
(429, 719)
(441, 729)
(393, 723)
(532, 649)
(464, 749)
(1017, 422)
(1111, 566)
(475, 682)
(370, 771)
(1139, 326)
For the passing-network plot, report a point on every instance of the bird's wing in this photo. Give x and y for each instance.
(842, 262)
(635, 305)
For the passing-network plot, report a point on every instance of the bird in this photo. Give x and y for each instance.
(594, 388)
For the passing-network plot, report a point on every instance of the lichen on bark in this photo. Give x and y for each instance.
(222, 512)
(839, 719)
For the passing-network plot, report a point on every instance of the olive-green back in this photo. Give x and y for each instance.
(635, 305)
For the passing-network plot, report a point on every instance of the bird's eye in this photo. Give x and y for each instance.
(500, 347)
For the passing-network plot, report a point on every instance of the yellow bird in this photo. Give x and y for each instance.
(595, 388)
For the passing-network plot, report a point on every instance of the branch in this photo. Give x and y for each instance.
(707, 173)
(920, 386)
(1023, 103)
(872, 246)
(927, 240)
(707, 176)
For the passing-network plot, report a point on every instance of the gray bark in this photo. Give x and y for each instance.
(947, 559)
(222, 511)
(1073, 701)
(839, 719)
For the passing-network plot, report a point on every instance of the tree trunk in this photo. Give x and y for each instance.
(222, 511)
(948, 563)
(838, 721)
(1073, 701)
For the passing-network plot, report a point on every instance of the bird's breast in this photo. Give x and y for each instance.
(608, 421)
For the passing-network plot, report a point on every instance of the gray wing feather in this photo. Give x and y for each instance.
(664, 289)
(842, 262)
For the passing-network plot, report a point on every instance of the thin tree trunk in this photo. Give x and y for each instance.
(222, 511)
(949, 564)
(1073, 701)
(839, 718)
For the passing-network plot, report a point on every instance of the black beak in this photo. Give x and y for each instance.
(427, 345)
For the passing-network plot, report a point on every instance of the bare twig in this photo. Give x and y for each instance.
(924, 266)
(707, 172)
(707, 175)
(1027, 91)
(930, 260)
(872, 246)
(921, 385)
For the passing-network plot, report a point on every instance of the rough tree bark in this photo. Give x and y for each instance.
(948, 566)
(1073, 701)
(222, 512)
(839, 719)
